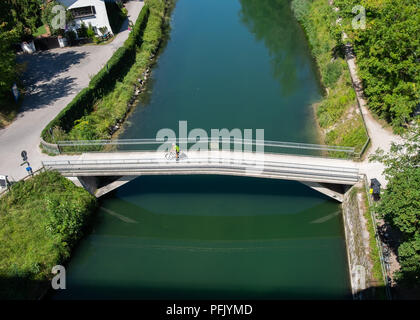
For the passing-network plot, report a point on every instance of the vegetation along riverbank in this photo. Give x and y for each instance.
(97, 111)
(387, 51)
(41, 220)
(337, 113)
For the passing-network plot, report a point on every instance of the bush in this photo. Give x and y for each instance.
(103, 30)
(41, 219)
(82, 31)
(90, 33)
(70, 36)
(342, 125)
(48, 15)
(331, 73)
(300, 9)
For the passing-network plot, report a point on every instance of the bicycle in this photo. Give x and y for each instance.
(170, 155)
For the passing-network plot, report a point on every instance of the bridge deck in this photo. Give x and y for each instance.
(276, 166)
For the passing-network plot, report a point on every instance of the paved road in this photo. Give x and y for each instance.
(52, 79)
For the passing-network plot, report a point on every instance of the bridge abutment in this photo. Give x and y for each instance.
(335, 191)
(89, 183)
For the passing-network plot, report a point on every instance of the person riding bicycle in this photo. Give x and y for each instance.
(175, 148)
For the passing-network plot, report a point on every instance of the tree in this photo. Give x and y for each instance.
(388, 53)
(400, 204)
(49, 15)
(24, 16)
(7, 61)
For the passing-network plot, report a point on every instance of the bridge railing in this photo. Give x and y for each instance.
(249, 145)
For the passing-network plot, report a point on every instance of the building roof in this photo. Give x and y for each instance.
(71, 4)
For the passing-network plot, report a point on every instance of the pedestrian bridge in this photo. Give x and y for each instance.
(327, 175)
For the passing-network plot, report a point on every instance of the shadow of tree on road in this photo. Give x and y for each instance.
(43, 78)
(42, 95)
(44, 66)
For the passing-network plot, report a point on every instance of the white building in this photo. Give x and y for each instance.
(88, 12)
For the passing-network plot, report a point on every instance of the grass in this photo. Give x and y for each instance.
(40, 31)
(373, 247)
(336, 113)
(41, 219)
(349, 133)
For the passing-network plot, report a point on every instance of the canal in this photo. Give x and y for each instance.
(227, 64)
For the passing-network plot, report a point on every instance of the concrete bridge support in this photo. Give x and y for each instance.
(97, 186)
(335, 191)
(89, 183)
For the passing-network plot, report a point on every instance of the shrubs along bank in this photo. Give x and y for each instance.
(105, 102)
(337, 113)
(41, 220)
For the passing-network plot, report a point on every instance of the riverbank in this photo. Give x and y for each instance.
(337, 114)
(340, 120)
(98, 113)
(366, 274)
(41, 220)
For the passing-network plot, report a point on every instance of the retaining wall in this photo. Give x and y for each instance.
(357, 245)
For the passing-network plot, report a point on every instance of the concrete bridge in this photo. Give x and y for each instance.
(102, 172)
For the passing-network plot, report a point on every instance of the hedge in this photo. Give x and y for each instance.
(103, 82)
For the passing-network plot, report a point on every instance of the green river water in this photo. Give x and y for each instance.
(227, 64)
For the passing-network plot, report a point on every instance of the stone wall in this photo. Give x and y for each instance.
(357, 244)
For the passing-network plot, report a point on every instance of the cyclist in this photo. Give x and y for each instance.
(175, 148)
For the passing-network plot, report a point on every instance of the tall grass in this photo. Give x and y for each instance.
(41, 219)
(336, 113)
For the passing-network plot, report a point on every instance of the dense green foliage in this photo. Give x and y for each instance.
(48, 16)
(400, 204)
(7, 73)
(19, 19)
(388, 53)
(22, 16)
(336, 112)
(41, 219)
(100, 106)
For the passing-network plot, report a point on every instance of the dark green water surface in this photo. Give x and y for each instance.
(228, 64)
(232, 64)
